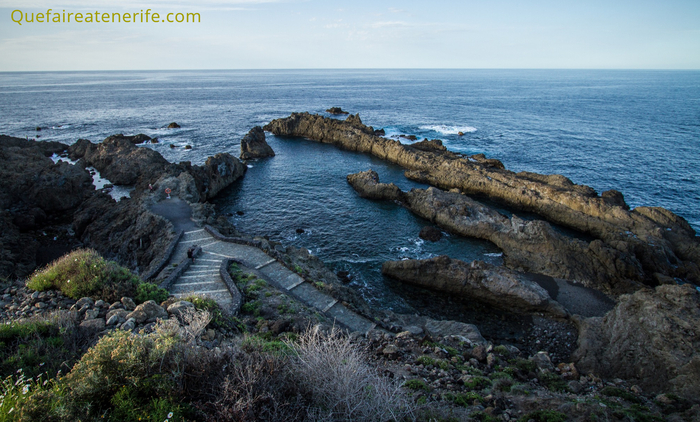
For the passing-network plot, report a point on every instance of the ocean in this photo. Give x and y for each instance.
(634, 131)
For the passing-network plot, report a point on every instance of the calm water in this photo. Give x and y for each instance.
(635, 131)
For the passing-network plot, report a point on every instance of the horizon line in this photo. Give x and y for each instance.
(353, 69)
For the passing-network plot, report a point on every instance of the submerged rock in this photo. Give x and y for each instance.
(497, 286)
(253, 145)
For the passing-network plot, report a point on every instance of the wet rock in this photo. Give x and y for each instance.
(336, 110)
(253, 145)
(430, 233)
(173, 125)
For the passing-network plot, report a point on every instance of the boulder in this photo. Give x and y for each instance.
(650, 338)
(253, 145)
(119, 314)
(97, 324)
(148, 311)
(180, 307)
(497, 286)
(173, 125)
(468, 333)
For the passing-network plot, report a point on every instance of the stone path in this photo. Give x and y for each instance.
(203, 277)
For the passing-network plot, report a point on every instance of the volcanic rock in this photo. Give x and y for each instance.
(651, 338)
(528, 246)
(430, 233)
(336, 110)
(497, 286)
(253, 145)
(173, 125)
(657, 239)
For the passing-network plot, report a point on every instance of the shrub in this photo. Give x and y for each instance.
(150, 291)
(84, 273)
(340, 384)
(553, 382)
(464, 399)
(425, 360)
(477, 383)
(619, 392)
(416, 384)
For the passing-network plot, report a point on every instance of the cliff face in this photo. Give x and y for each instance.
(660, 242)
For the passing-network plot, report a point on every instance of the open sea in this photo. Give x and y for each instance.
(634, 131)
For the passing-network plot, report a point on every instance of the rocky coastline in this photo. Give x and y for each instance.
(636, 258)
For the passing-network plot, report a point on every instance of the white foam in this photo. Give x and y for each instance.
(495, 255)
(61, 127)
(449, 130)
(56, 158)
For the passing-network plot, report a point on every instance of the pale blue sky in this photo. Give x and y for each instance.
(251, 34)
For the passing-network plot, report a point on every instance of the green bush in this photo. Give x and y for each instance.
(84, 273)
(150, 291)
(477, 383)
(425, 360)
(553, 382)
(619, 392)
(416, 384)
(463, 399)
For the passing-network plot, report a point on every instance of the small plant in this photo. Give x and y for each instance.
(416, 384)
(425, 360)
(503, 384)
(544, 416)
(497, 375)
(619, 392)
(553, 382)
(483, 417)
(524, 365)
(252, 307)
(501, 350)
(477, 383)
(297, 269)
(464, 399)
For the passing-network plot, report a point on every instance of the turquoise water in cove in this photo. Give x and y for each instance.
(634, 131)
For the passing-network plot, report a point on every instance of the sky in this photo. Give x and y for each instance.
(303, 34)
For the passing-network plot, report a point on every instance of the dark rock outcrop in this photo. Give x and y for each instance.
(121, 162)
(336, 110)
(659, 240)
(253, 145)
(430, 233)
(497, 286)
(173, 125)
(528, 246)
(651, 338)
(35, 191)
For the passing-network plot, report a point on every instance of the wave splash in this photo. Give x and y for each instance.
(449, 130)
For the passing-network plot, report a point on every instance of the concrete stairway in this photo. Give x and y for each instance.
(203, 278)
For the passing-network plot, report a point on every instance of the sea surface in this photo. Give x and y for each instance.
(634, 131)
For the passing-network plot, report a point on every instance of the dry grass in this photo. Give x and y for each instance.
(340, 383)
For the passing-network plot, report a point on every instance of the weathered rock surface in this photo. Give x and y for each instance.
(659, 240)
(253, 145)
(498, 286)
(651, 337)
(123, 163)
(528, 246)
(34, 191)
